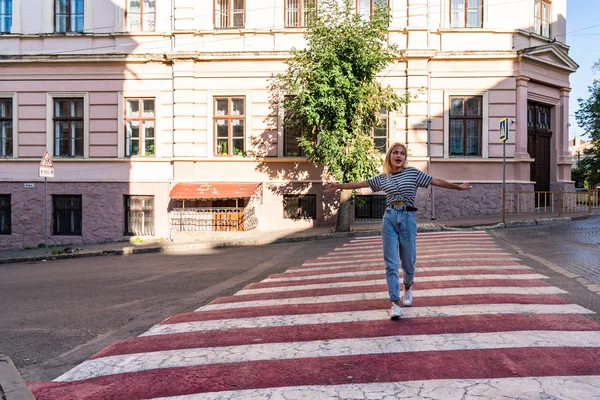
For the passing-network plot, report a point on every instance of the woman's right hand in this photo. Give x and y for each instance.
(332, 187)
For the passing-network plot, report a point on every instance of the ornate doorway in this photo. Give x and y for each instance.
(538, 146)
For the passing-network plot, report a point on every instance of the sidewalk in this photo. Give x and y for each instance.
(256, 238)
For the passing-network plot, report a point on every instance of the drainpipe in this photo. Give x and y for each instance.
(172, 179)
(429, 113)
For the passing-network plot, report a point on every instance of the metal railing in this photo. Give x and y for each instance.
(213, 219)
(544, 202)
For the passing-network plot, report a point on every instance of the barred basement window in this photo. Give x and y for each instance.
(67, 214)
(139, 215)
(5, 215)
(372, 207)
(300, 207)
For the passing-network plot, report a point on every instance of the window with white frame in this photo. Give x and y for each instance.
(541, 17)
(5, 16)
(141, 15)
(466, 125)
(230, 13)
(140, 121)
(6, 127)
(366, 8)
(229, 125)
(68, 16)
(380, 133)
(466, 13)
(68, 121)
(298, 13)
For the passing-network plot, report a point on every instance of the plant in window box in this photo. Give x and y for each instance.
(238, 152)
(150, 150)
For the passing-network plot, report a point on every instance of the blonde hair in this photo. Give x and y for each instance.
(387, 163)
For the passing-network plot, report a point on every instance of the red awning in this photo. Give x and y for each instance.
(213, 191)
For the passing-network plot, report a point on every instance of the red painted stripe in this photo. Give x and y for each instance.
(367, 329)
(362, 305)
(359, 278)
(316, 273)
(381, 288)
(392, 367)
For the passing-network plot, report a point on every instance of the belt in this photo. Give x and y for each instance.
(402, 208)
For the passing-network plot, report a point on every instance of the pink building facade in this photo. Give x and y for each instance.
(159, 119)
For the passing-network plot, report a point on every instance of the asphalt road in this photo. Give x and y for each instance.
(57, 314)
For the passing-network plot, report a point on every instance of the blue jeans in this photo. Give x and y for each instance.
(399, 237)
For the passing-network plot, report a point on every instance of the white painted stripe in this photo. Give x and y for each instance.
(419, 261)
(443, 278)
(440, 255)
(431, 241)
(123, 364)
(448, 247)
(539, 387)
(363, 316)
(421, 269)
(339, 298)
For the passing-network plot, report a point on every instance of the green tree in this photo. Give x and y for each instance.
(333, 96)
(588, 118)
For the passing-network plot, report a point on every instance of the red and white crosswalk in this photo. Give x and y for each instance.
(482, 324)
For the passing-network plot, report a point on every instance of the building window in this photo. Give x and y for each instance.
(366, 8)
(141, 15)
(229, 13)
(139, 215)
(5, 16)
(68, 127)
(380, 133)
(139, 127)
(5, 217)
(298, 13)
(300, 207)
(466, 14)
(466, 117)
(541, 17)
(6, 127)
(291, 147)
(229, 123)
(68, 16)
(67, 215)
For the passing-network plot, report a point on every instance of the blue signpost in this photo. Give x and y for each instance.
(503, 139)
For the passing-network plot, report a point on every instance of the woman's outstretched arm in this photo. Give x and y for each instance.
(332, 187)
(445, 184)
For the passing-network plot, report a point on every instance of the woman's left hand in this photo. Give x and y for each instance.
(465, 186)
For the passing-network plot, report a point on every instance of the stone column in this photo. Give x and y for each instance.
(562, 142)
(521, 130)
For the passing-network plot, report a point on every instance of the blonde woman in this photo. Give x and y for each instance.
(399, 225)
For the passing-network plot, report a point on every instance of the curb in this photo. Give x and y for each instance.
(12, 385)
(421, 227)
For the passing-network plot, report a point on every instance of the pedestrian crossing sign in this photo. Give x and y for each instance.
(503, 129)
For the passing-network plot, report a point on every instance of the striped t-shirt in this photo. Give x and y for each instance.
(400, 186)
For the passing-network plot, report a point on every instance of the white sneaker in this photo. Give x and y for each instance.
(407, 298)
(396, 311)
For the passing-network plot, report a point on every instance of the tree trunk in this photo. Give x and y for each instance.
(343, 219)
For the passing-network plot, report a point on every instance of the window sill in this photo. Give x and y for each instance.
(469, 30)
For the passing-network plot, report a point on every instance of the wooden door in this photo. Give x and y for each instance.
(539, 136)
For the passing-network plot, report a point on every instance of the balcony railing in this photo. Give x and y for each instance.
(212, 219)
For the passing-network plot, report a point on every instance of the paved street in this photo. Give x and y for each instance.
(572, 245)
(57, 314)
(483, 324)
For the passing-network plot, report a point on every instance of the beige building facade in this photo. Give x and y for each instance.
(160, 122)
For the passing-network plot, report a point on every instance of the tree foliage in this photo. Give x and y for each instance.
(588, 118)
(332, 94)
